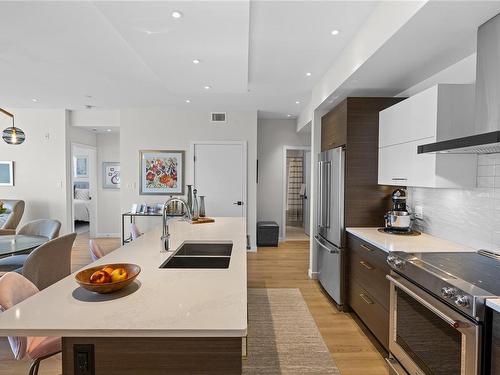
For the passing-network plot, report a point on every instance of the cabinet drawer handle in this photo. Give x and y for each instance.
(367, 299)
(367, 248)
(367, 265)
(399, 179)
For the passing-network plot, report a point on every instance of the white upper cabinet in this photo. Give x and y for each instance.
(438, 113)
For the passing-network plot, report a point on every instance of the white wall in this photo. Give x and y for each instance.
(94, 118)
(108, 200)
(462, 72)
(163, 129)
(81, 136)
(40, 164)
(272, 135)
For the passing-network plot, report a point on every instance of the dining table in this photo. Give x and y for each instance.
(19, 243)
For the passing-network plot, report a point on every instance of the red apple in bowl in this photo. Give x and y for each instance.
(100, 277)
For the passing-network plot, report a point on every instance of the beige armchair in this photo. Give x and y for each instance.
(10, 219)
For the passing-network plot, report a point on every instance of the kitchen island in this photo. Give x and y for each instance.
(169, 321)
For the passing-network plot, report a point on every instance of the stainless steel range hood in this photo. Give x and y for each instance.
(486, 136)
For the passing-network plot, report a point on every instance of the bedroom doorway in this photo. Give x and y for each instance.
(84, 186)
(296, 186)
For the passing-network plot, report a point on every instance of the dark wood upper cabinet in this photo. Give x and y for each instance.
(354, 124)
(334, 127)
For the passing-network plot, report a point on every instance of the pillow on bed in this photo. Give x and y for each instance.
(83, 194)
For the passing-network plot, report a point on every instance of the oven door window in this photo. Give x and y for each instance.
(431, 343)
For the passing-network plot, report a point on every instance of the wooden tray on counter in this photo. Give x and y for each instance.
(203, 220)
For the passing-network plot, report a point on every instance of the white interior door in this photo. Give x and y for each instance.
(220, 175)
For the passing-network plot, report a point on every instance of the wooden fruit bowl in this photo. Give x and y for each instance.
(83, 278)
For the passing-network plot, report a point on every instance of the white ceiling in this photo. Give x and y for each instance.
(439, 35)
(254, 55)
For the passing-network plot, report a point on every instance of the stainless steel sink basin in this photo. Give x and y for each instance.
(205, 249)
(196, 262)
(198, 255)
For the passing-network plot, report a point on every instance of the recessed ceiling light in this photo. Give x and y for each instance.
(208, 87)
(297, 102)
(196, 61)
(108, 130)
(308, 74)
(289, 115)
(335, 32)
(176, 14)
(34, 100)
(188, 101)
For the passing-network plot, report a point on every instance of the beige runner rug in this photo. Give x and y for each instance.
(283, 337)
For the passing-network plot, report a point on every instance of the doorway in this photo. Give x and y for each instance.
(296, 185)
(220, 174)
(84, 188)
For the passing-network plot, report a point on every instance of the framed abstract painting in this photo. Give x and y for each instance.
(161, 172)
(110, 175)
(6, 173)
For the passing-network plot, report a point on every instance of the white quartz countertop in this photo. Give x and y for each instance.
(164, 302)
(423, 243)
(494, 304)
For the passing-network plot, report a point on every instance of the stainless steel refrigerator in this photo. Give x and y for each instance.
(331, 221)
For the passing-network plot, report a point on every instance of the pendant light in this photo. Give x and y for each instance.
(12, 135)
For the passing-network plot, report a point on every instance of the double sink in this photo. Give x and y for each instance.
(208, 255)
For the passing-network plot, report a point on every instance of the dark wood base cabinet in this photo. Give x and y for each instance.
(152, 355)
(368, 289)
(495, 344)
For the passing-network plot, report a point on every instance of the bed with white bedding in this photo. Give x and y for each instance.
(81, 204)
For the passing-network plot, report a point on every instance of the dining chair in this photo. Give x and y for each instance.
(95, 250)
(49, 262)
(42, 227)
(15, 288)
(11, 218)
(134, 231)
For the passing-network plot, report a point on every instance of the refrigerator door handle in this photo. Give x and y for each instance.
(320, 195)
(328, 170)
(335, 250)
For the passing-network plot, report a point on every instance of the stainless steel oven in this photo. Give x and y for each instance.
(428, 337)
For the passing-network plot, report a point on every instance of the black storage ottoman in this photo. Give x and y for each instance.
(267, 233)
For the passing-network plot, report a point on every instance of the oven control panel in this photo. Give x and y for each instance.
(443, 285)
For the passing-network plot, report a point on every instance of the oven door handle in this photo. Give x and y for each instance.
(454, 323)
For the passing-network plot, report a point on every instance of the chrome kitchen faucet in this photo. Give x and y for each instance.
(165, 238)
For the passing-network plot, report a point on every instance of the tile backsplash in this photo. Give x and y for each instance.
(467, 216)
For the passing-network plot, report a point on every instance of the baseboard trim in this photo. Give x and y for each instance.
(252, 249)
(312, 275)
(118, 235)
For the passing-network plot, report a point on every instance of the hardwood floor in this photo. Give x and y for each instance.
(282, 267)
(286, 267)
